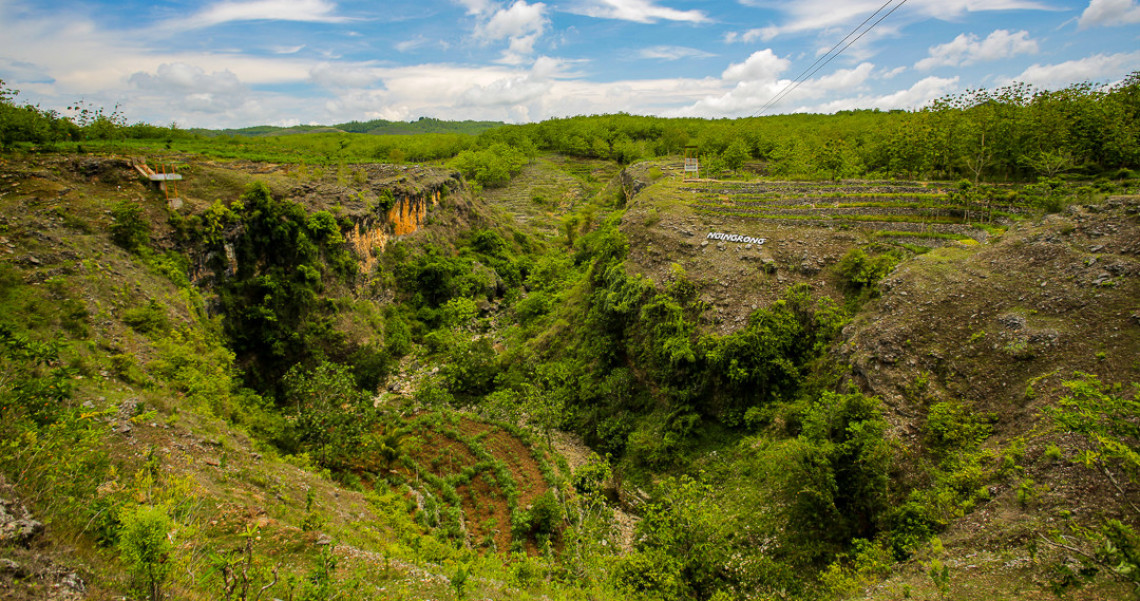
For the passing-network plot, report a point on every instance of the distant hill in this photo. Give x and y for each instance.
(423, 125)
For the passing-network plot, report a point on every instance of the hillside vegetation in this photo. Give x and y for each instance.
(514, 364)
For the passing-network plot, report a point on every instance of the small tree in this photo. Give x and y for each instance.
(128, 229)
(145, 547)
(1106, 417)
(735, 155)
(332, 415)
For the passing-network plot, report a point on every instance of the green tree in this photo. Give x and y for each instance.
(735, 155)
(128, 228)
(1105, 416)
(331, 416)
(837, 483)
(145, 547)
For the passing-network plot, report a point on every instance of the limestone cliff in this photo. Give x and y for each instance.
(371, 232)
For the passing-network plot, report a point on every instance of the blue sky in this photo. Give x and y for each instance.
(236, 63)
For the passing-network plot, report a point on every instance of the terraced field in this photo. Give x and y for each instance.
(474, 479)
(924, 214)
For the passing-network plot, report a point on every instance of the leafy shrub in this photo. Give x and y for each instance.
(840, 472)
(950, 426)
(147, 319)
(128, 229)
(331, 416)
(861, 271)
(145, 548)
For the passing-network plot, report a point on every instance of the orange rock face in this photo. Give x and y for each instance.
(368, 238)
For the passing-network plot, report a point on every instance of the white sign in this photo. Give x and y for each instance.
(735, 238)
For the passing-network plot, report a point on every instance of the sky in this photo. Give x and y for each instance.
(237, 63)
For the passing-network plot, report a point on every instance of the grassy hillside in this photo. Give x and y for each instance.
(540, 367)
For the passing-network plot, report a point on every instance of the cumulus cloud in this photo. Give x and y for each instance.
(194, 88)
(510, 91)
(521, 24)
(756, 83)
(312, 11)
(1110, 12)
(967, 49)
(638, 11)
(672, 53)
(761, 65)
(476, 7)
(746, 37)
(1099, 67)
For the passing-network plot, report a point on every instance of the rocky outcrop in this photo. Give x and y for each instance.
(372, 232)
(16, 523)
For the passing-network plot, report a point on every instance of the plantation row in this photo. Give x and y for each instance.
(1015, 133)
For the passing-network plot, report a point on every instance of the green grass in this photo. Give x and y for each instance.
(315, 148)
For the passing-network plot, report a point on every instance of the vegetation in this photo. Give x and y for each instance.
(256, 395)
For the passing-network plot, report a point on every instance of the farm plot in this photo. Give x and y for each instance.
(475, 480)
(927, 214)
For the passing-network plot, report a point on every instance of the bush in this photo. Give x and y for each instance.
(128, 229)
(950, 427)
(862, 271)
(145, 548)
(147, 319)
(332, 416)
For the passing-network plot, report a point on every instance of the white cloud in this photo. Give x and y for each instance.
(476, 7)
(521, 24)
(672, 53)
(1099, 67)
(762, 33)
(761, 65)
(638, 11)
(336, 75)
(510, 91)
(967, 49)
(521, 19)
(814, 15)
(312, 11)
(1110, 12)
(755, 82)
(192, 88)
(891, 74)
(418, 42)
(287, 49)
(918, 95)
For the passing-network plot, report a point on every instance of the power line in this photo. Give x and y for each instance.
(825, 54)
(829, 56)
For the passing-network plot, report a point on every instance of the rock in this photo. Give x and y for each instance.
(1012, 321)
(129, 408)
(16, 523)
(73, 582)
(7, 566)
